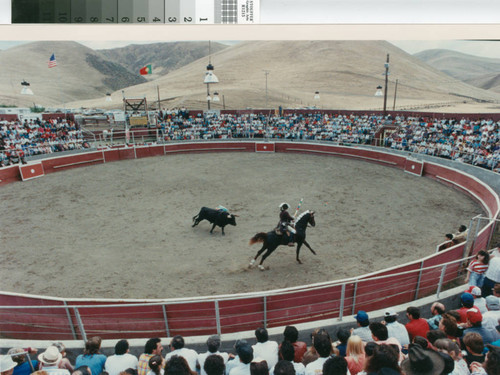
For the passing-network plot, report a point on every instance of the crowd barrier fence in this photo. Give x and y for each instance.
(24, 316)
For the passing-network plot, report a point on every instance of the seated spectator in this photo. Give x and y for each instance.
(467, 301)
(335, 366)
(82, 370)
(437, 310)
(450, 347)
(153, 347)
(156, 365)
(177, 365)
(245, 357)
(380, 335)
(474, 346)
(91, 356)
(474, 324)
(491, 365)
(355, 355)
(264, 348)
(476, 269)
(323, 346)
(23, 366)
(234, 359)
(417, 326)
(291, 334)
(49, 361)
(479, 301)
(259, 368)
(396, 329)
(311, 355)
(121, 360)
(491, 318)
(433, 335)
(65, 363)
(363, 329)
(177, 348)
(213, 345)
(6, 365)
(283, 368)
(386, 358)
(287, 353)
(422, 361)
(341, 345)
(461, 235)
(214, 365)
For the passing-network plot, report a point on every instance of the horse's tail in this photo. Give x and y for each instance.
(259, 237)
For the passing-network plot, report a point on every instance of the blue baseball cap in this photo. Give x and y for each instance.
(467, 299)
(361, 316)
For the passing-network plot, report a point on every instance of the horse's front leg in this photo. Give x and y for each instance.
(299, 245)
(309, 247)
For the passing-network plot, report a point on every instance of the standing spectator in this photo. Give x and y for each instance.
(323, 345)
(417, 326)
(396, 329)
(355, 355)
(492, 274)
(476, 269)
(363, 329)
(437, 310)
(153, 347)
(177, 348)
(291, 334)
(479, 301)
(121, 360)
(461, 235)
(492, 316)
(91, 356)
(6, 365)
(213, 345)
(264, 348)
(50, 359)
(23, 367)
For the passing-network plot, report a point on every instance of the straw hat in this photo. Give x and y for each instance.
(51, 356)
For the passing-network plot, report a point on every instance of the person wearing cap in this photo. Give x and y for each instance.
(474, 319)
(363, 329)
(416, 326)
(213, 345)
(285, 225)
(121, 360)
(6, 365)
(177, 348)
(437, 310)
(49, 361)
(396, 329)
(23, 367)
(492, 316)
(467, 302)
(479, 301)
(422, 362)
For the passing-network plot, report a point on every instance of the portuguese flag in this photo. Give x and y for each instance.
(145, 70)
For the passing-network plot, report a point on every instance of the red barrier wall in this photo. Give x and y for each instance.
(238, 313)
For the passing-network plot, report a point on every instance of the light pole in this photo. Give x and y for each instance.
(386, 81)
(210, 77)
(266, 72)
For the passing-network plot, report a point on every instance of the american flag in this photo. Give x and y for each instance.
(52, 61)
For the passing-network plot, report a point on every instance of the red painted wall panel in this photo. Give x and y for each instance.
(30, 171)
(142, 152)
(72, 161)
(9, 174)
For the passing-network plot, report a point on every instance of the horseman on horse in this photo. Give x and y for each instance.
(285, 225)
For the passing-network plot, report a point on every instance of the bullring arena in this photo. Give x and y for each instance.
(123, 231)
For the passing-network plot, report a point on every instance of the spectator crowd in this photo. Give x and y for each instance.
(462, 341)
(19, 139)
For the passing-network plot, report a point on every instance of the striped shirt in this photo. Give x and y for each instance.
(477, 267)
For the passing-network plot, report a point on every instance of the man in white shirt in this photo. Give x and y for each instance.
(121, 360)
(177, 348)
(265, 349)
(492, 274)
(213, 345)
(245, 356)
(323, 345)
(396, 329)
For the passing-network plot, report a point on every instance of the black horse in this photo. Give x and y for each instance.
(271, 240)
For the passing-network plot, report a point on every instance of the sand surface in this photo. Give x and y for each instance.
(123, 229)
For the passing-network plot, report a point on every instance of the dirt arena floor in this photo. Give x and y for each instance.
(123, 229)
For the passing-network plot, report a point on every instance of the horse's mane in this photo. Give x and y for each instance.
(301, 215)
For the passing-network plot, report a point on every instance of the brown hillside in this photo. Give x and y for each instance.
(346, 73)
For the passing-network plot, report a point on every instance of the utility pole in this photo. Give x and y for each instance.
(395, 94)
(266, 72)
(385, 87)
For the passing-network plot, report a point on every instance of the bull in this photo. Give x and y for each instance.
(219, 218)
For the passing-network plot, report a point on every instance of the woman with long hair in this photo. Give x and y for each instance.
(355, 355)
(156, 365)
(91, 356)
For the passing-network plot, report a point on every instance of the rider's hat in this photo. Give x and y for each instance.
(284, 206)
